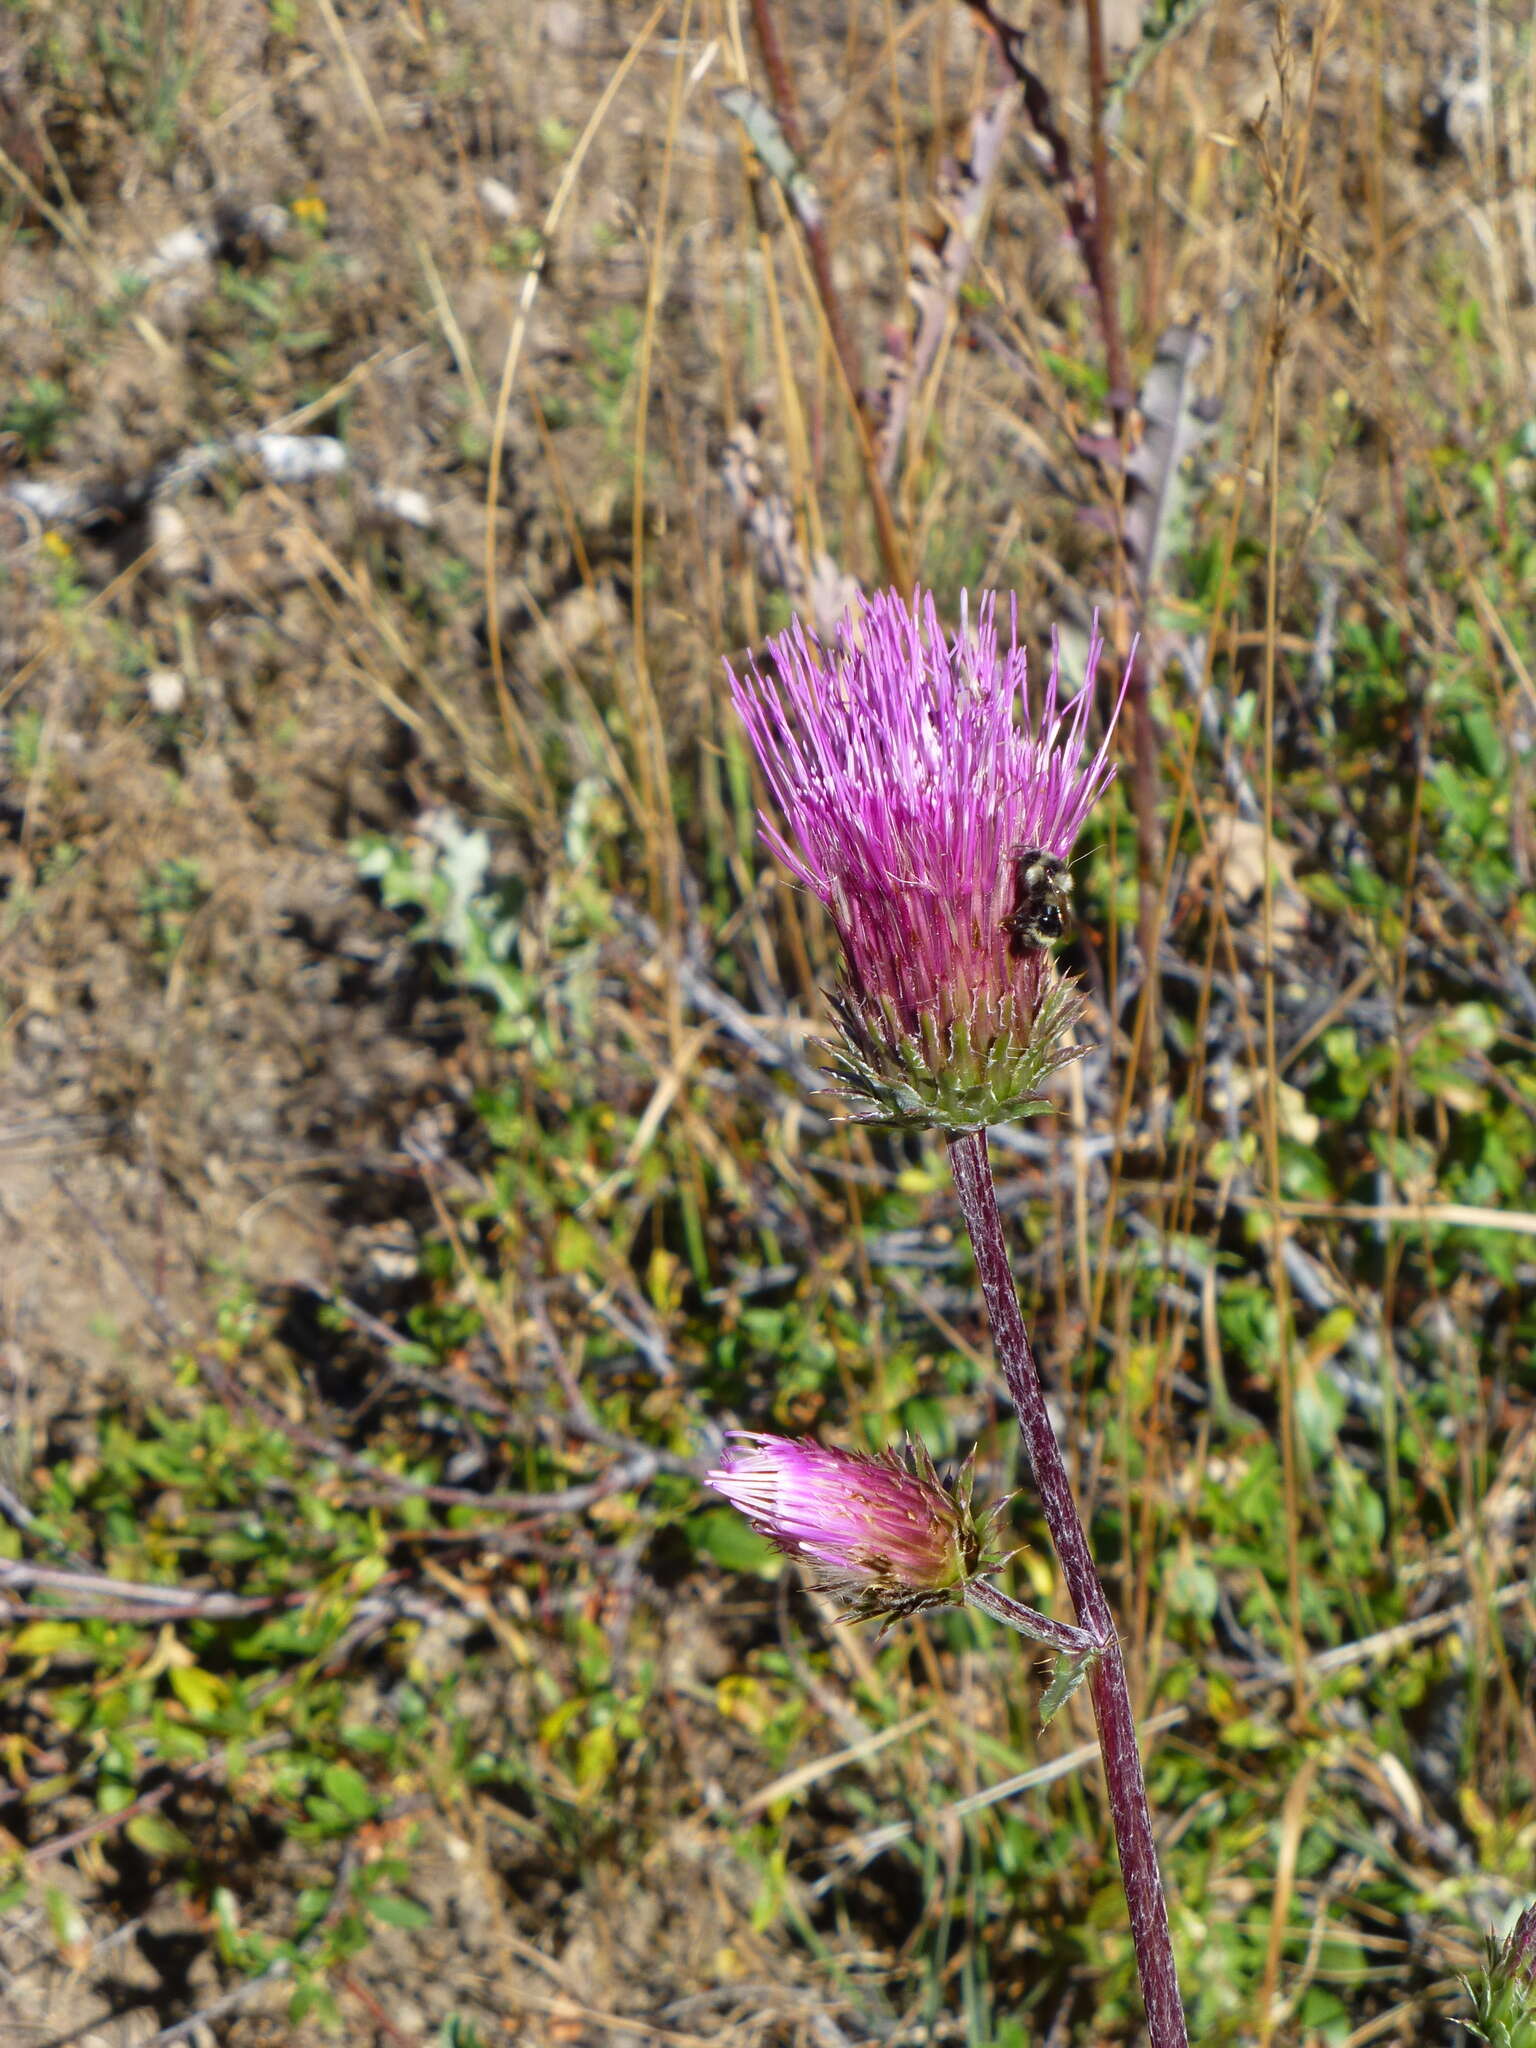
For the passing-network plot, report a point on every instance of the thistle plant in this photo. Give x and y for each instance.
(1503, 1992)
(931, 800)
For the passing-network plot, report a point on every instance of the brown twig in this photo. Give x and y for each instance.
(90, 1587)
(1057, 167)
(231, 2001)
(1092, 225)
(147, 1802)
(1105, 269)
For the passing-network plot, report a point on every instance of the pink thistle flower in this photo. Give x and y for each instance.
(932, 805)
(882, 1533)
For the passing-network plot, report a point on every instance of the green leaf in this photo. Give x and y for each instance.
(596, 1754)
(733, 1544)
(1320, 1410)
(1193, 1589)
(199, 1691)
(314, 1998)
(367, 1572)
(396, 1911)
(1070, 1673)
(48, 1638)
(575, 1248)
(65, 1919)
(156, 1835)
(349, 1789)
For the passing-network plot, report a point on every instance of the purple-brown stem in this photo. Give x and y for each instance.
(1092, 227)
(1028, 1621)
(1093, 230)
(1106, 276)
(1107, 1685)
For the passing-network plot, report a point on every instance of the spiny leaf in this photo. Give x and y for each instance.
(1177, 421)
(1070, 1673)
(777, 158)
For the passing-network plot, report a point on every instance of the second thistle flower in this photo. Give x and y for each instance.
(932, 804)
(882, 1533)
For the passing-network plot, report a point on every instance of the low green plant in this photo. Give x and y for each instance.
(169, 897)
(35, 415)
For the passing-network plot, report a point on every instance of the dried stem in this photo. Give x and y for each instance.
(1106, 1681)
(936, 297)
(892, 554)
(1092, 227)
(1093, 230)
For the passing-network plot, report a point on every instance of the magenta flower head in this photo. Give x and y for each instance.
(882, 1533)
(932, 804)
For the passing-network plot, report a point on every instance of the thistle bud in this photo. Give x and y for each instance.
(882, 1533)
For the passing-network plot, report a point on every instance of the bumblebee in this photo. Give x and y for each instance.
(1042, 897)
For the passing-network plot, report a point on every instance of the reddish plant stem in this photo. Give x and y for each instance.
(1107, 1685)
(781, 86)
(1093, 226)
(1027, 1621)
(1106, 276)
(1093, 230)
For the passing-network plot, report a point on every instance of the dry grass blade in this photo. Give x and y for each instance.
(527, 293)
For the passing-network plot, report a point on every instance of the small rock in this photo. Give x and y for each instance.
(499, 199)
(294, 458)
(584, 615)
(179, 250)
(414, 508)
(564, 25)
(177, 553)
(166, 689)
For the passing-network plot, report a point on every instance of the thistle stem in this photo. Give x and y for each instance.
(1055, 1635)
(1107, 1685)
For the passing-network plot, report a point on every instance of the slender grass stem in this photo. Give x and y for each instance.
(892, 553)
(1107, 1685)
